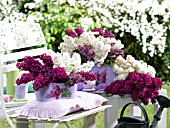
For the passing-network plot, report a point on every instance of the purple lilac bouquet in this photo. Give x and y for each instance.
(141, 87)
(41, 74)
(97, 45)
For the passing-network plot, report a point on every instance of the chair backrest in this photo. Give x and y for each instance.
(18, 40)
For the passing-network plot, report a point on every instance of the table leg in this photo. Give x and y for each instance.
(22, 123)
(38, 124)
(89, 121)
(111, 114)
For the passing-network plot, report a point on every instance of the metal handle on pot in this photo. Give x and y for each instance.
(140, 106)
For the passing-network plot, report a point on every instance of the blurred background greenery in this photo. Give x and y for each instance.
(55, 16)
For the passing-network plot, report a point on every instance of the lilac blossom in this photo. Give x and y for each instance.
(86, 52)
(70, 33)
(141, 87)
(107, 34)
(99, 30)
(79, 31)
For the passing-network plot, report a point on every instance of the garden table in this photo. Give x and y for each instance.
(113, 104)
(88, 115)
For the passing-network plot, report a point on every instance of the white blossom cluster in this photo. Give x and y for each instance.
(100, 45)
(9, 12)
(123, 67)
(145, 19)
(71, 64)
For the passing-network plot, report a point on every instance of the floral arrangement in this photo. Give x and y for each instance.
(70, 63)
(42, 73)
(96, 45)
(136, 78)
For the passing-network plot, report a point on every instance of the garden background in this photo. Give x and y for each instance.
(143, 26)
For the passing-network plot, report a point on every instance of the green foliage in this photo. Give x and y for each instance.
(58, 16)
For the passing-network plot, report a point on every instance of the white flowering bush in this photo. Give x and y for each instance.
(123, 67)
(71, 64)
(9, 12)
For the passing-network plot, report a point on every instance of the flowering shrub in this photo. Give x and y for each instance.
(141, 18)
(136, 78)
(97, 45)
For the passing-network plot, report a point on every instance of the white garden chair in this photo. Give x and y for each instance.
(16, 36)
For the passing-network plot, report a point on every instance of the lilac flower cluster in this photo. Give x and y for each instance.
(75, 79)
(87, 75)
(76, 33)
(55, 92)
(25, 78)
(87, 53)
(105, 34)
(140, 86)
(113, 54)
(81, 77)
(41, 74)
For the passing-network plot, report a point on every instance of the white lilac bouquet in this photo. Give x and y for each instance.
(136, 78)
(123, 67)
(70, 63)
(96, 45)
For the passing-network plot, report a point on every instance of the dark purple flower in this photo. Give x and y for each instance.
(140, 86)
(107, 34)
(25, 78)
(87, 53)
(47, 60)
(147, 79)
(134, 77)
(108, 89)
(156, 83)
(70, 33)
(135, 95)
(75, 79)
(117, 86)
(59, 75)
(99, 30)
(79, 31)
(145, 101)
(127, 88)
(87, 75)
